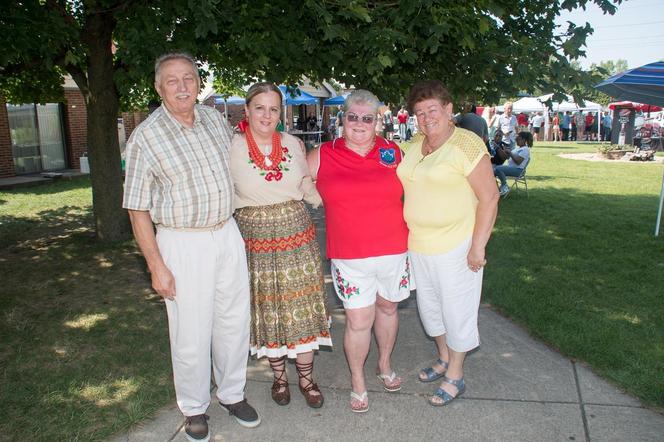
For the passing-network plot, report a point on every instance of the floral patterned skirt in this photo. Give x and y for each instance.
(288, 309)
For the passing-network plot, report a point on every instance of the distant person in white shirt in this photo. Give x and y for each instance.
(537, 122)
(518, 160)
(507, 124)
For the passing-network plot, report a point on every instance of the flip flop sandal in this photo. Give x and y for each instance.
(444, 395)
(431, 374)
(391, 382)
(359, 403)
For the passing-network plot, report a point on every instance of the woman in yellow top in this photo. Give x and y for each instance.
(451, 202)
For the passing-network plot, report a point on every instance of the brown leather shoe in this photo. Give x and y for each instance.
(280, 397)
(280, 383)
(304, 371)
(313, 400)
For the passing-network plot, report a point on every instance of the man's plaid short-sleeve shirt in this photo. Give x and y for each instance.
(181, 175)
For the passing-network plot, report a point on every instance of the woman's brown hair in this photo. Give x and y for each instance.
(426, 89)
(261, 88)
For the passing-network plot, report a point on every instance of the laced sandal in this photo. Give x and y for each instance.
(359, 403)
(391, 382)
(444, 395)
(280, 390)
(304, 371)
(430, 374)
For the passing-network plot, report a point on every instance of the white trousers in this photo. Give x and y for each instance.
(448, 296)
(208, 321)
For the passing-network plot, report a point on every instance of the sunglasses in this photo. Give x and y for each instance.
(367, 118)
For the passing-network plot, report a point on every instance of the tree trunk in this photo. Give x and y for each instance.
(111, 220)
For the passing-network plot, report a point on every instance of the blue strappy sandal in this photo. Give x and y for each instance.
(445, 396)
(431, 374)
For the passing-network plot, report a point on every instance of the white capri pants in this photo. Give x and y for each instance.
(448, 296)
(208, 321)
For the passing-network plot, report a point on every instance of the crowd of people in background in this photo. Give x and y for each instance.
(507, 134)
(543, 126)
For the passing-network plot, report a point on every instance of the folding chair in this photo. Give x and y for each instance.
(516, 180)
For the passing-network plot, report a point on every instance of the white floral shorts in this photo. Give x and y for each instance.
(358, 281)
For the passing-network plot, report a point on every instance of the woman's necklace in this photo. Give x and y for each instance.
(265, 162)
(428, 147)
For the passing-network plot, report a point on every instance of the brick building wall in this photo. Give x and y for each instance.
(6, 157)
(131, 120)
(75, 121)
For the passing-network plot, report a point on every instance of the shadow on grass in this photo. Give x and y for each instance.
(543, 178)
(584, 273)
(62, 221)
(84, 343)
(58, 186)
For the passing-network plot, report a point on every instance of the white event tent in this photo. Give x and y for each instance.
(570, 105)
(528, 104)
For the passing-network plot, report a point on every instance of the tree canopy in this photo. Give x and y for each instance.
(601, 71)
(482, 50)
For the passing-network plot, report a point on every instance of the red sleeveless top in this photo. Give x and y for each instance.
(363, 200)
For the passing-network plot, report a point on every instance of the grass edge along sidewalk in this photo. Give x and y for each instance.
(577, 264)
(83, 343)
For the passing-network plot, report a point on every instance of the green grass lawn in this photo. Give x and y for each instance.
(84, 344)
(578, 265)
(83, 341)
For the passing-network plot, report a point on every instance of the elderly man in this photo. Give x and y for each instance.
(507, 124)
(178, 180)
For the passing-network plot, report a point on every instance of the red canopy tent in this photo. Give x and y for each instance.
(637, 106)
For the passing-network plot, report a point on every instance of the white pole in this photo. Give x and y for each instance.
(659, 211)
(286, 124)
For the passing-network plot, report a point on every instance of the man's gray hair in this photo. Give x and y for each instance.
(174, 56)
(361, 96)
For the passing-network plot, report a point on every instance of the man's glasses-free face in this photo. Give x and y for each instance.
(354, 118)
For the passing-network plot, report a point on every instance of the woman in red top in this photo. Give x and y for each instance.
(402, 117)
(590, 125)
(366, 238)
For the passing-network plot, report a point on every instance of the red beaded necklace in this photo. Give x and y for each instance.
(265, 162)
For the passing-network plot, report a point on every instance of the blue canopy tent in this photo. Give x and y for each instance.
(339, 100)
(292, 100)
(302, 98)
(233, 99)
(644, 84)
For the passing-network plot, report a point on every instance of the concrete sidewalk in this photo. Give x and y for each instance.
(518, 389)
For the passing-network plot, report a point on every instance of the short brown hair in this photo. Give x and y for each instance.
(262, 88)
(426, 89)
